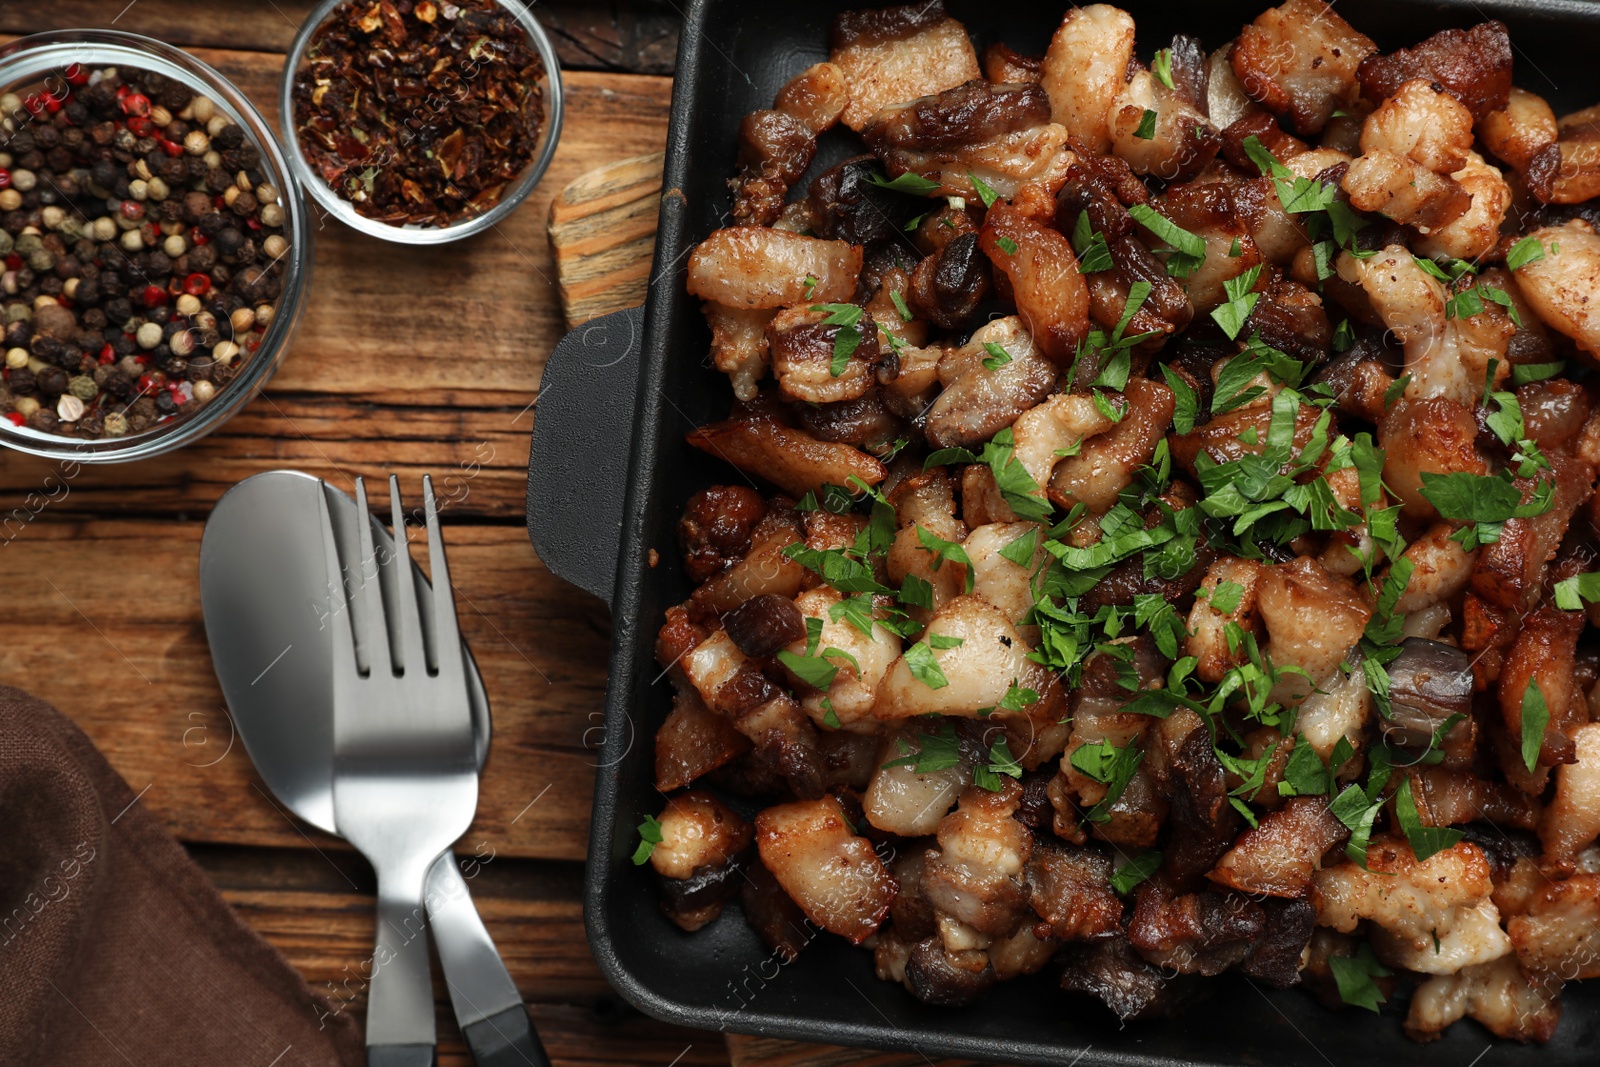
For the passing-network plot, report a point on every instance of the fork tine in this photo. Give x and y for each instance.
(344, 650)
(446, 635)
(376, 631)
(413, 656)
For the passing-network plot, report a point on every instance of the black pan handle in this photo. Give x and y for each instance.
(582, 440)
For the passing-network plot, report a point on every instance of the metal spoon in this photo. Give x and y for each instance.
(268, 599)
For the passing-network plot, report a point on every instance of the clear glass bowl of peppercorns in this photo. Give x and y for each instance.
(154, 247)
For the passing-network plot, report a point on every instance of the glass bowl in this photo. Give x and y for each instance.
(40, 61)
(514, 194)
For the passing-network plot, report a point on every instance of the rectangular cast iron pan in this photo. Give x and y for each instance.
(608, 476)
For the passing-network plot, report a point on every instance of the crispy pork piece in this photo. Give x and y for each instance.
(894, 54)
(1299, 60)
(835, 876)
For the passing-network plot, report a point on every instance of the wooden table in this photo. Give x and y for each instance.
(406, 361)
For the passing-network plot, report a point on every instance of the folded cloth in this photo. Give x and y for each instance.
(115, 948)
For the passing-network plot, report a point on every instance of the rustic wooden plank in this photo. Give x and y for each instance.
(603, 234)
(111, 633)
(477, 454)
(635, 36)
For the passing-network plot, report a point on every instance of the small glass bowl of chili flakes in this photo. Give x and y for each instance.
(421, 121)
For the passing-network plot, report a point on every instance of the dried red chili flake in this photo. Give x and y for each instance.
(420, 114)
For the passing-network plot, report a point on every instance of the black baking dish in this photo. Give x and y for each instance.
(609, 473)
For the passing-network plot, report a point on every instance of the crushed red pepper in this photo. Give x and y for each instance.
(420, 112)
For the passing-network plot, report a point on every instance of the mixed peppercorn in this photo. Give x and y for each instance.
(417, 112)
(143, 249)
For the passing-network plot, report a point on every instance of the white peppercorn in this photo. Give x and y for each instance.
(160, 116)
(158, 188)
(242, 320)
(271, 215)
(26, 406)
(174, 246)
(224, 353)
(139, 189)
(116, 424)
(265, 314)
(204, 391)
(148, 335)
(53, 216)
(202, 108)
(16, 357)
(23, 180)
(188, 305)
(69, 408)
(275, 245)
(10, 199)
(132, 240)
(182, 343)
(217, 124)
(103, 228)
(195, 142)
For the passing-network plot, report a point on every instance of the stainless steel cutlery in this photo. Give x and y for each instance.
(359, 703)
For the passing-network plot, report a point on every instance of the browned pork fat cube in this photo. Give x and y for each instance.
(1559, 936)
(789, 458)
(1300, 61)
(894, 54)
(835, 876)
(806, 352)
(1052, 299)
(754, 267)
(999, 134)
(1474, 66)
(1280, 856)
(693, 741)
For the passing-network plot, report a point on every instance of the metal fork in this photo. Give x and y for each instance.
(405, 782)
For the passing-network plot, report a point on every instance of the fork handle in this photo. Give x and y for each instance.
(400, 1026)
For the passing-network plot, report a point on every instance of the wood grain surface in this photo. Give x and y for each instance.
(602, 234)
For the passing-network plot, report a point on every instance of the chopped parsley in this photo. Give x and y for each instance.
(1094, 255)
(1425, 841)
(924, 668)
(1524, 252)
(987, 775)
(1354, 976)
(847, 339)
(997, 357)
(900, 305)
(1109, 765)
(1189, 250)
(985, 192)
(1161, 67)
(649, 838)
(1241, 301)
(1147, 126)
(1136, 870)
(915, 184)
(1535, 718)
(1483, 501)
(938, 751)
(1572, 593)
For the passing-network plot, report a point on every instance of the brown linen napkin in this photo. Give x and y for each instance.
(115, 948)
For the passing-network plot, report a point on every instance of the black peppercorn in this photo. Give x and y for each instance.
(228, 241)
(21, 381)
(165, 404)
(52, 381)
(44, 420)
